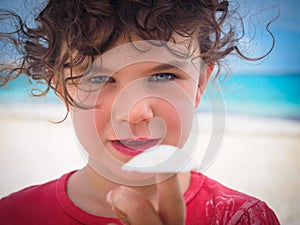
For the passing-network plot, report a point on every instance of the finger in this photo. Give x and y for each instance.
(171, 202)
(132, 207)
(122, 216)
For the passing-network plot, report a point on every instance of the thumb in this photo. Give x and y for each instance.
(131, 207)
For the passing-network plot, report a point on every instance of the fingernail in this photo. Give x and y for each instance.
(122, 216)
(109, 197)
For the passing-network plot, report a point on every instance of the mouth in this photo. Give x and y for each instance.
(133, 147)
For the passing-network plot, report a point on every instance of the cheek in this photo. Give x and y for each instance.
(191, 89)
(86, 131)
(171, 116)
(102, 116)
(178, 123)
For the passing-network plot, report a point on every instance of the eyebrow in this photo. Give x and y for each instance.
(161, 66)
(169, 65)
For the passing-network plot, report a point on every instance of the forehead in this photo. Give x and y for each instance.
(185, 42)
(135, 48)
(180, 52)
(160, 54)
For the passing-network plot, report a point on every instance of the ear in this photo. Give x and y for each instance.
(203, 81)
(54, 81)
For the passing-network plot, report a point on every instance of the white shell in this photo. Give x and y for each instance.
(162, 159)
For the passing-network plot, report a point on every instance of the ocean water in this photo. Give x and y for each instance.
(255, 95)
(258, 95)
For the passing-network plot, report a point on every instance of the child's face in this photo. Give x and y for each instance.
(143, 95)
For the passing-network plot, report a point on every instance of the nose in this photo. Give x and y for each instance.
(140, 111)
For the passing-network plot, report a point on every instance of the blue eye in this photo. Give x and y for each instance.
(100, 79)
(163, 77)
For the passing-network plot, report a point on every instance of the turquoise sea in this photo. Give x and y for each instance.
(260, 95)
(255, 95)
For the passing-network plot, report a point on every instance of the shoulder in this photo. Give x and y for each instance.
(30, 194)
(219, 204)
(39, 200)
(214, 192)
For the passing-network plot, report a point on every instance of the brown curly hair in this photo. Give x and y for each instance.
(87, 28)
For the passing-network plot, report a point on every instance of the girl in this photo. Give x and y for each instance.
(131, 73)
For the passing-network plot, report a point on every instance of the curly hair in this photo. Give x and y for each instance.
(76, 29)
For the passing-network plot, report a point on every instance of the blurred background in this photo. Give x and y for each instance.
(261, 147)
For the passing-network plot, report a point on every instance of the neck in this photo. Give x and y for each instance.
(87, 189)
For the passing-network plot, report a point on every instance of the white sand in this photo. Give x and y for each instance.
(258, 156)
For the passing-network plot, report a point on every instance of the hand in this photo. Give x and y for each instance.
(132, 208)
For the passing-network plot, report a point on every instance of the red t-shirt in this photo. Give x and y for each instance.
(207, 202)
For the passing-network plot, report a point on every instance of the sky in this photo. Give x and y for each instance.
(285, 56)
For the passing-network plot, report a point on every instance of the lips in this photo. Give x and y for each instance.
(132, 147)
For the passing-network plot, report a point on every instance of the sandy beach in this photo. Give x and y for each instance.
(258, 156)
